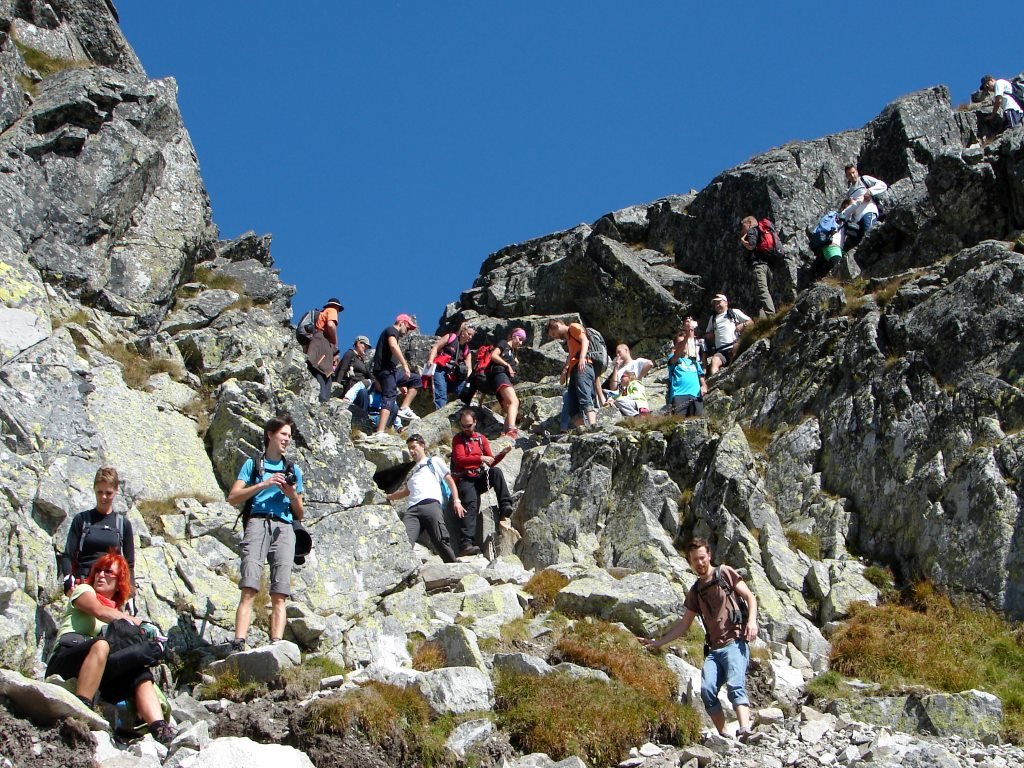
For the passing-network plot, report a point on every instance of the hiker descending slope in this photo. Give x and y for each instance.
(859, 211)
(322, 347)
(722, 332)
(1006, 106)
(392, 372)
(453, 363)
(762, 242)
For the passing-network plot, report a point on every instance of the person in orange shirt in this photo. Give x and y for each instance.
(578, 374)
(322, 351)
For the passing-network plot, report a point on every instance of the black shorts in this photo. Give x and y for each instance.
(498, 379)
(115, 685)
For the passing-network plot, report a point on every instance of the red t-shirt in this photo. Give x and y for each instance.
(466, 453)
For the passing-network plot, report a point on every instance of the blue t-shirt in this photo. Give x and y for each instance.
(684, 377)
(270, 501)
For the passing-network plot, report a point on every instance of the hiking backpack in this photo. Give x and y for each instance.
(1017, 92)
(597, 353)
(739, 614)
(824, 231)
(482, 359)
(86, 526)
(769, 244)
(257, 473)
(307, 326)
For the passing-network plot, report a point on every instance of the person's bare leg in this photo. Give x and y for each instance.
(382, 422)
(91, 673)
(147, 705)
(277, 616)
(718, 718)
(511, 405)
(742, 715)
(243, 614)
(410, 395)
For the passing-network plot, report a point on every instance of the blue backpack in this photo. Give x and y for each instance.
(824, 231)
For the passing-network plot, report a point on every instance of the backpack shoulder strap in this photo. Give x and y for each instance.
(119, 525)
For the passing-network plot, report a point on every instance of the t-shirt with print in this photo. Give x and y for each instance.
(684, 377)
(710, 600)
(383, 357)
(77, 620)
(270, 501)
(506, 353)
(425, 480)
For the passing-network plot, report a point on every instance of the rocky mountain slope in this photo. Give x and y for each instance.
(879, 413)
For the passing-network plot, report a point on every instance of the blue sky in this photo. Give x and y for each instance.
(389, 147)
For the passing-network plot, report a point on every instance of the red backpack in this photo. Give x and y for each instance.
(483, 358)
(769, 244)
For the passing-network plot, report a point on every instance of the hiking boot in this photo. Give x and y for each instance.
(406, 413)
(164, 732)
(238, 645)
(470, 551)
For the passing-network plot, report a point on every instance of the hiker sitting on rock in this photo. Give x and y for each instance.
(425, 494)
(391, 370)
(723, 329)
(82, 652)
(354, 374)
(578, 373)
(631, 399)
(97, 531)
(1006, 112)
(624, 361)
(474, 472)
(322, 350)
(274, 485)
(453, 363)
(686, 384)
(714, 597)
(859, 211)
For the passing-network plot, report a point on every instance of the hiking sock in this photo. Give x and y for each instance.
(90, 703)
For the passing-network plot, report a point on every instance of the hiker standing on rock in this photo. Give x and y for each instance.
(273, 485)
(322, 351)
(722, 332)
(717, 598)
(761, 241)
(859, 211)
(453, 363)
(391, 370)
(578, 374)
(1006, 112)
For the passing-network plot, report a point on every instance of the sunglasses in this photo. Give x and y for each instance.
(107, 572)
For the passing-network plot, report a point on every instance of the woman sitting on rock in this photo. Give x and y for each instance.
(81, 651)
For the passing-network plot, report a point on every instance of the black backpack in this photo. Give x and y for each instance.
(257, 473)
(86, 526)
(1017, 92)
(306, 326)
(597, 352)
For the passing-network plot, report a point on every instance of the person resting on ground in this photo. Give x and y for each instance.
(83, 652)
(632, 397)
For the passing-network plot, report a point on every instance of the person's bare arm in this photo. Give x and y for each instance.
(88, 603)
(396, 352)
(436, 349)
(677, 630)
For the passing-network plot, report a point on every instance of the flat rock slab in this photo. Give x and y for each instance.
(45, 703)
(260, 665)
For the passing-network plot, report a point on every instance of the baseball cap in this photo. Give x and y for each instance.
(407, 319)
(719, 297)
(364, 339)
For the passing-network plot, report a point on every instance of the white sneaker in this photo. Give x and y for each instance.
(406, 413)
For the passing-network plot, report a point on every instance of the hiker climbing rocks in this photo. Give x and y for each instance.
(728, 610)
(97, 531)
(686, 384)
(391, 370)
(86, 647)
(474, 471)
(578, 375)
(859, 211)
(1006, 108)
(501, 376)
(274, 486)
(762, 242)
(354, 374)
(425, 488)
(322, 349)
(723, 329)
(453, 363)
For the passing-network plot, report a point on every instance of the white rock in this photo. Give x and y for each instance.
(650, 750)
(235, 752)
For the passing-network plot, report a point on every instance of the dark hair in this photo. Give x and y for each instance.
(275, 425)
(123, 590)
(696, 543)
(416, 437)
(851, 165)
(465, 411)
(106, 475)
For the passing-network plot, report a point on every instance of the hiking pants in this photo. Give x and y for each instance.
(687, 405)
(427, 516)
(581, 390)
(390, 380)
(765, 304)
(441, 389)
(325, 381)
(470, 490)
(268, 538)
(725, 666)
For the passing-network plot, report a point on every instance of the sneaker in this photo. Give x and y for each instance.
(511, 433)
(238, 645)
(406, 413)
(374, 436)
(164, 733)
(470, 551)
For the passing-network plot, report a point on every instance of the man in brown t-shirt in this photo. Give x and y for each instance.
(727, 654)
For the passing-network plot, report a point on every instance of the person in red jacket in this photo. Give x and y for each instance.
(474, 471)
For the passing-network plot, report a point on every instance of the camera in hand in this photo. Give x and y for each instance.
(290, 478)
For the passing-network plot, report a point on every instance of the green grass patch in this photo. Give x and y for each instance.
(927, 640)
(226, 685)
(653, 422)
(758, 438)
(213, 279)
(301, 680)
(829, 686)
(762, 328)
(136, 368)
(386, 715)
(544, 586)
(808, 543)
(44, 63)
(608, 647)
(563, 716)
